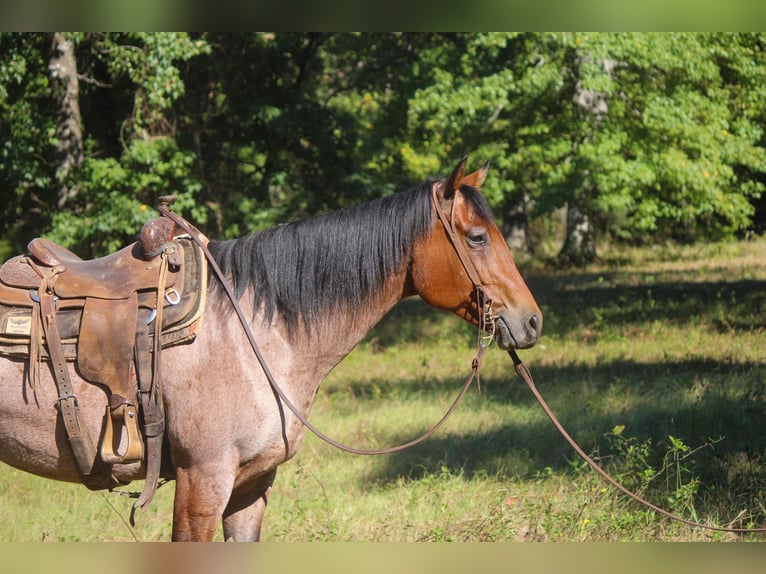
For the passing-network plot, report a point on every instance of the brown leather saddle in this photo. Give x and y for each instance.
(111, 317)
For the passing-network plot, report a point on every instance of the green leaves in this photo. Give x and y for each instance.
(650, 136)
(150, 61)
(116, 193)
(122, 194)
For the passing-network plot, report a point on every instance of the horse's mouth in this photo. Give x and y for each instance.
(503, 334)
(522, 337)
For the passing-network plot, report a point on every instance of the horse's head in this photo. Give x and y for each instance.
(464, 264)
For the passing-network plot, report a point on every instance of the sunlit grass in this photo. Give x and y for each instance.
(656, 343)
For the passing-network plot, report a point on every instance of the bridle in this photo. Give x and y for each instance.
(485, 306)
(485, 322)
(486, 316)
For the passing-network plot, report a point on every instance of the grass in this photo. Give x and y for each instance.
(652, 358)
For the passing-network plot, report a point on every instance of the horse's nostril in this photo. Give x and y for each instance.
(534, 325)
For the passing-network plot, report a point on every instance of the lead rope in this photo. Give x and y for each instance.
(526, 375)
(475, 365)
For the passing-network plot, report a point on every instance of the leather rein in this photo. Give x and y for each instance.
(486, 335)
(526, 375)
(485, 322)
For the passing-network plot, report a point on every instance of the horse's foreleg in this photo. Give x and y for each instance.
(201, 496)
(243, 516)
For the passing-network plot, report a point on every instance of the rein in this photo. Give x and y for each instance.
(486, 323)
(526, 375)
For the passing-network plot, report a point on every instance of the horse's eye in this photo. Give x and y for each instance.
(477, 238)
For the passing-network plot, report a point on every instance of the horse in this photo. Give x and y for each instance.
(311, 290)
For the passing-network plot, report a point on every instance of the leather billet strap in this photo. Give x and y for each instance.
(526, 375)
(147, 356)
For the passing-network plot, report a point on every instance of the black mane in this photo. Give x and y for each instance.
(305, 269)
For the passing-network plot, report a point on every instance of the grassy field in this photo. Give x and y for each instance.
(652, 358)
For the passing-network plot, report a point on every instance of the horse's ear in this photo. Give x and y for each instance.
(454, 180)
(477, 178)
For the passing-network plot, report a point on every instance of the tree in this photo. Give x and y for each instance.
(468, 107)
(131, 84)
(677, 155)
(65, 86)
(640, 137)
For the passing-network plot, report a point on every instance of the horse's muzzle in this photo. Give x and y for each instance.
(515, 333)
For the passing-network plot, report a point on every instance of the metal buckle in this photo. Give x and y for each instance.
(486, 319)
(173, 297)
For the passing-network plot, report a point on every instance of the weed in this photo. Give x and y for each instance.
(634, 468)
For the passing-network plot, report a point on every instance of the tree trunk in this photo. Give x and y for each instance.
(66, 92)
(516, 225)
(580, 244)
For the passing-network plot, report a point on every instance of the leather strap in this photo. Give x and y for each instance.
(93, 475)
(449, 226)
(485, 318)
(526, 375)
(277, 390)
(148, 363)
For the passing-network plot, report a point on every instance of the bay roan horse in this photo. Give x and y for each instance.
(313, 290)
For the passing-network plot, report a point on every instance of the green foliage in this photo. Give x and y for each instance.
(667, 153)
(150, 61)
(121, 195)
(695, 154)
(115, 193)
(651, 136)
(669, 476)
(26, 135)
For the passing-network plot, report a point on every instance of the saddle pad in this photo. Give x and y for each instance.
(180, 321)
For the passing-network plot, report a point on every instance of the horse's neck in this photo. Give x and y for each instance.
(336, 336)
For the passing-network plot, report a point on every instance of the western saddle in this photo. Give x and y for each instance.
(111, 317)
